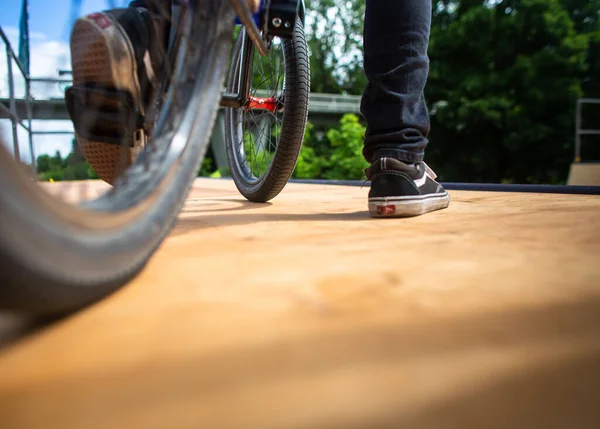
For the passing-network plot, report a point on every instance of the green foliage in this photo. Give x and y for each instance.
(209, 166)
(503, 85)
(309, 165)
(338, 157)
(591, 83)
(73, 167)
(346, 161)
(335, 56)
(206, 169)
(91, 173)
(257, 159)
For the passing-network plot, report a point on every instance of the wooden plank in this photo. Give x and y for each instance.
(306, 313)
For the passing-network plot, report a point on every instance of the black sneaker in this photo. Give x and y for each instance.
(402, 190)
(122, 50)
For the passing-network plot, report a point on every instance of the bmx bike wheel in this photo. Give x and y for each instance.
(264, 137)
(57, 257)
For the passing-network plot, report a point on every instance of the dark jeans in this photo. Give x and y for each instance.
(396, 38)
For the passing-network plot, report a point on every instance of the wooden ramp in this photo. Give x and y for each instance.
(584, 174)
(306, 313)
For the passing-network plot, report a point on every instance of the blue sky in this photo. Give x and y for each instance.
(49, 17)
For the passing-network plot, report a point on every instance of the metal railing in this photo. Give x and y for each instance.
(580, 131)
(49, 89)
(334, 103)
(11, 109)
(34, 87)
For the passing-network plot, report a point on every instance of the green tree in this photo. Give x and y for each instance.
(585, 15)
(309, 165)
(73, 167)
(342, 161)
(43, 163)
(502, 87)
(346, 161)
(334, 32)
(76, 156)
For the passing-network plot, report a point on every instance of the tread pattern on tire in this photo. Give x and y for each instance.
(293, 127)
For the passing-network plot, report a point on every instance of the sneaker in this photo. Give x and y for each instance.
(120, 50)
(402, 190)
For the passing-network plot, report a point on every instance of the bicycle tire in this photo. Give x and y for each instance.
(57, 258)
(293, 127)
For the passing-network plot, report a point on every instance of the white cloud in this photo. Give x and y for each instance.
(47, 58)
(13, 35)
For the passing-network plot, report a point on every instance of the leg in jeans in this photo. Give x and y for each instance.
(396, 38)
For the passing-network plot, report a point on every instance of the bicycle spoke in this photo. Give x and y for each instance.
(260, 127)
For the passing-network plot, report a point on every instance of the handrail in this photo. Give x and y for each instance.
(14, 117)
(12, 53)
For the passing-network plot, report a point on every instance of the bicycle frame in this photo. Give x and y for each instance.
(251, 39)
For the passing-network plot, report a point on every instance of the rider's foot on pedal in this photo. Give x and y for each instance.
(122, 49)
(401, 190)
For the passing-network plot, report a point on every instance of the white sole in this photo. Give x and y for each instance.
(407, 206)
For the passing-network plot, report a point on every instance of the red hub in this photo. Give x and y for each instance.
(271, 104)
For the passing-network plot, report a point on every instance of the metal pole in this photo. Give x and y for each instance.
(13, 107)
(578, 132)
(7, 43)
(30, 132)
(54, 133)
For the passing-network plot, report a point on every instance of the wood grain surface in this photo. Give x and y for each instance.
(306, 313)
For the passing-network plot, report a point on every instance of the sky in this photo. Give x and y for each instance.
(48, 17)
(49, 27)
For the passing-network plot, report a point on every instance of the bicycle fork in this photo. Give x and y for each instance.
(241, 95)
(279, 19)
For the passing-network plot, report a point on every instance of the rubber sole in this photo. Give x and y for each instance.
(102, 53)
(407, 206)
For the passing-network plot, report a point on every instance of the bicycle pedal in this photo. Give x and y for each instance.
(103, 114)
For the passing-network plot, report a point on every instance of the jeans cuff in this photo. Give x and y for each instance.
(399, 154)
